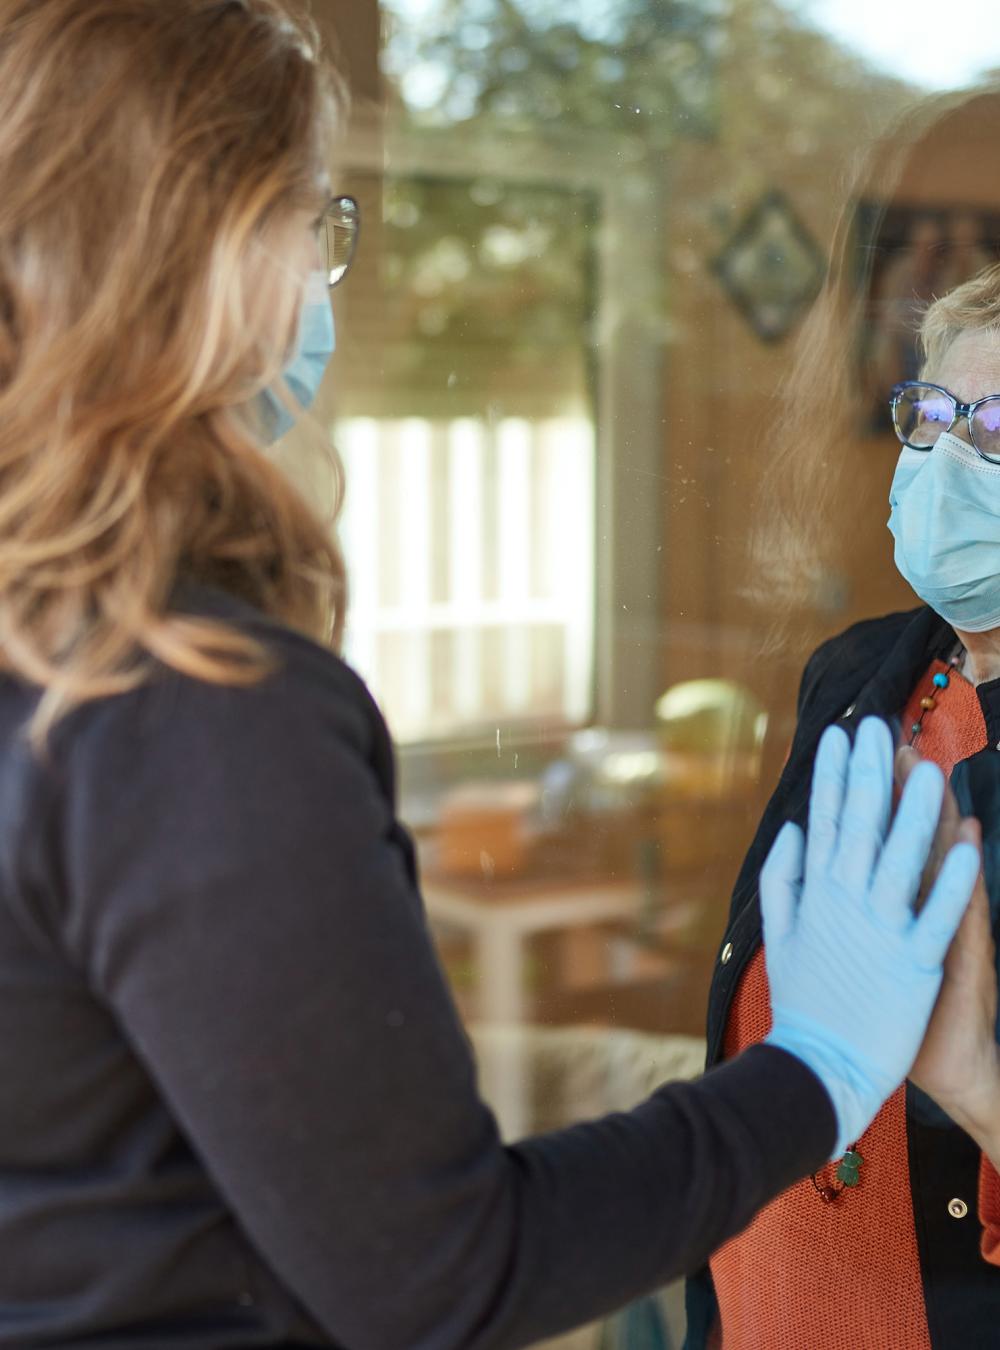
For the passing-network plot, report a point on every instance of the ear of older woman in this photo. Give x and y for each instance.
(959, 1060)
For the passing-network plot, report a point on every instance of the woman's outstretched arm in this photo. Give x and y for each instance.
(235, 885)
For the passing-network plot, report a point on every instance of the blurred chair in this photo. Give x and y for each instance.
(711, 734)
(576, 1073)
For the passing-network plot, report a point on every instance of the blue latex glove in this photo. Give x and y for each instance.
(853, 972)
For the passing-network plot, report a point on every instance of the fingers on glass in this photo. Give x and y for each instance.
(949, 898)
(902, 862)
(781, 884)
(867, 803)
(827, 798)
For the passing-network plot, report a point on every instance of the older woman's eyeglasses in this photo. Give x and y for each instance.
(338, 229)
(921, 412)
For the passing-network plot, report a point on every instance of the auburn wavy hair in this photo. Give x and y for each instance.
(153, 155)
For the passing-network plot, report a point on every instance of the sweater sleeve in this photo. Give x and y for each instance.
(239, 893)
(989, 1211)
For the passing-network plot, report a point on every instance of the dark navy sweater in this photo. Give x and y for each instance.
(237, 1107)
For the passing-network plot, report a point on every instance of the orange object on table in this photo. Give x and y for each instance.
(484, 829)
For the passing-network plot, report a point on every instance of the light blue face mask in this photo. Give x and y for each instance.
(314, 346)
(945, 519)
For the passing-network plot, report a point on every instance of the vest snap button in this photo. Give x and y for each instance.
(727, 952)
(957, 1208)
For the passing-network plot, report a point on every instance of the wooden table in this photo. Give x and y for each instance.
(500, 919)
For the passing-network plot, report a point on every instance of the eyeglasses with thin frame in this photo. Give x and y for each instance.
(922, 411)
(337, 230)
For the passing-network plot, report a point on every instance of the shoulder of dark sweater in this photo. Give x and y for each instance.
(858, 647)
(299, 658)
(178, 746)
(169, 706)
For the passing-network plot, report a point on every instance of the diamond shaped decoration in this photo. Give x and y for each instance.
(772, 268)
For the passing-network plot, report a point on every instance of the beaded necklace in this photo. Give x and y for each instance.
(848, 1173)
(930, 701)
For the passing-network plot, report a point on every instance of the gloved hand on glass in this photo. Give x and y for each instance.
(854, 969)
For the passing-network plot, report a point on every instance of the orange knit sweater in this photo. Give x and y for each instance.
(809, 1275)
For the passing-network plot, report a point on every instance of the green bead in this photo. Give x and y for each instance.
(849, 1167)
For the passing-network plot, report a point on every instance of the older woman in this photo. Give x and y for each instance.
(897, 1245)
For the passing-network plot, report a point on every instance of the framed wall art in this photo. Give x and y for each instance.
(771, 267)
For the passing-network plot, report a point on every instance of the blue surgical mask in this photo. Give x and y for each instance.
(945, 519)
(314, 346)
